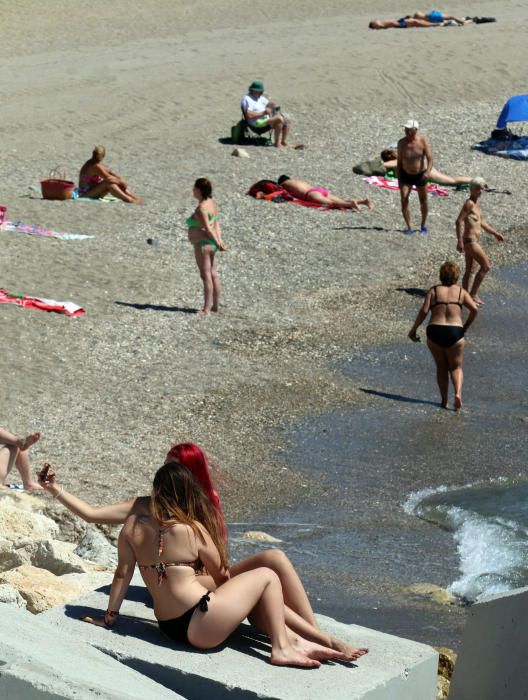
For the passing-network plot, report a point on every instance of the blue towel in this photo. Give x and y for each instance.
(516, 149)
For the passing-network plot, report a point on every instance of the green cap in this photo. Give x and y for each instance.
(257, 86)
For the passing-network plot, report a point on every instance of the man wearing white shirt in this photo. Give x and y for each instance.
(260, 113)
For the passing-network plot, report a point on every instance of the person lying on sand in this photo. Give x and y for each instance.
(298, 611)
(263, 115)
(303, 190)
(96, 180)
(435, 18)
(469, 224)
(13, 452)
(388, 161)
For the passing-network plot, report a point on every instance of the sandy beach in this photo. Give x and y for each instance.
(159, 85)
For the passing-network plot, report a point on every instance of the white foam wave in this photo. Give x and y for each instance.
(414, 499)
(493, 555)
(493, 551)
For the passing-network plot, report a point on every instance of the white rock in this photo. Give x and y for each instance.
(95, 547)
(11, 596)
(240, 153)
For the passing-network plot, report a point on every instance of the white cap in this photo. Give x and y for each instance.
(411, 124)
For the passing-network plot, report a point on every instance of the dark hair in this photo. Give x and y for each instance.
(205, 187)
(388, 154)
(283, 178)
(449, 273)
(177, 498)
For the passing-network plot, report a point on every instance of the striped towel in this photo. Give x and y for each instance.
(392, 184)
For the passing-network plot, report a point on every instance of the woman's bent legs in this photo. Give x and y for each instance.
(292, 589)
(8, 455)
(231, 604)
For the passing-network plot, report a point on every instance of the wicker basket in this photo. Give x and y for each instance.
(57, 186)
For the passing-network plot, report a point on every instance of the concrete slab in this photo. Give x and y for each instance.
(492, 664)
(395, 669)
(39, 661)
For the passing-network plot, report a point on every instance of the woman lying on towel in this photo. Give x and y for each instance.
(387, 162)
(298, 612)
(303, 190)
(96, 180)
(435, 18)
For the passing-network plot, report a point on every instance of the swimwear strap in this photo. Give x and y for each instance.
(203, 602)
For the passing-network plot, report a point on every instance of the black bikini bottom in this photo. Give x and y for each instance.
(444, 336)
(177, 628)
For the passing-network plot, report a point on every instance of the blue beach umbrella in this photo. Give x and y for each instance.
(515, 110)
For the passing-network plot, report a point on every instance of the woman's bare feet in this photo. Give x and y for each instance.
(478, 301)
(288, 656)
(317, 651)
(351, 653)
(458, 402)
(203, 313)
(29, 440)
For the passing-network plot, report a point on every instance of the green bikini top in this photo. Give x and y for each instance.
(191, 222)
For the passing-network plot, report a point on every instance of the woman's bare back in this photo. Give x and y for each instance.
(174, 588)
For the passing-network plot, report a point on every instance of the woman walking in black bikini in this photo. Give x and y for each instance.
(445, 332)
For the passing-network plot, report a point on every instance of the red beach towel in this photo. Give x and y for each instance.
(61, 307)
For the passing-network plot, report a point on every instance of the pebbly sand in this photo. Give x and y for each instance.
(159, 84)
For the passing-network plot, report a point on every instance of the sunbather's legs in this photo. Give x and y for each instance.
(8, 454)
(105, 188)
(441, 179)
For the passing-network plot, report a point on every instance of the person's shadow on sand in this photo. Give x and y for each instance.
(158, 307)
(412, 291)
(361, 228)
(398, 397)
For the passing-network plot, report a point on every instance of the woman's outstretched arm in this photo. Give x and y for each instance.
(113, 514)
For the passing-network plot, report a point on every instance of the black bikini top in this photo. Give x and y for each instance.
(437, 302)
(162, 566)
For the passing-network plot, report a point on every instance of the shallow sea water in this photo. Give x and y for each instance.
(411, 493)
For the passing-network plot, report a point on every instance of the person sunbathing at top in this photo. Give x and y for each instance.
(388, 160)
(97, 180)
(435, 18)
(320, 195)
(14, 452)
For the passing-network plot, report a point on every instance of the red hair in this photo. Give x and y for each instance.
(191, 456)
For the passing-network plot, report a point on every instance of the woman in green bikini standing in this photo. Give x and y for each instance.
(206, 237)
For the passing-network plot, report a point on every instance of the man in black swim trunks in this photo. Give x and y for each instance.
(413, 152)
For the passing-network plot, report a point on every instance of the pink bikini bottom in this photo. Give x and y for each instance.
(321, 190)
